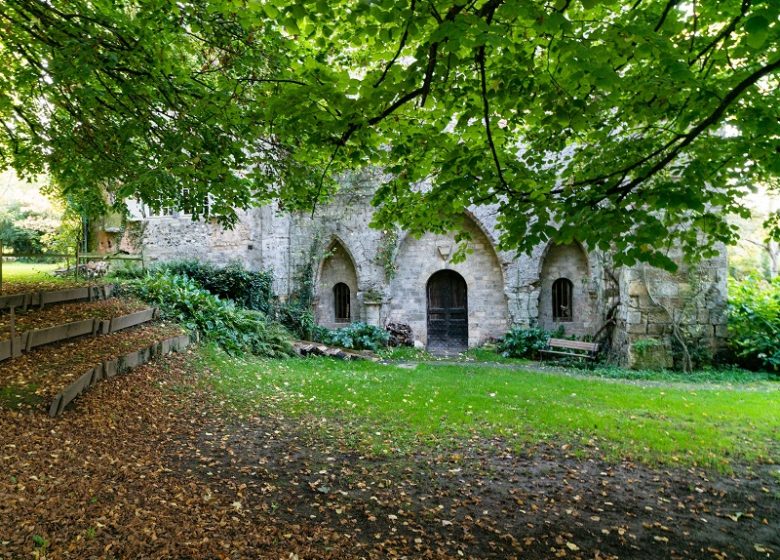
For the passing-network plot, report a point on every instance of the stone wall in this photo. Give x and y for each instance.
(418, 259)
(662, 312)
(625, 307)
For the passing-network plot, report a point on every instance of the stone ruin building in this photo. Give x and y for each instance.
(362, 274)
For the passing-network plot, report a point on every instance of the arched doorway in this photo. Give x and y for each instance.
(448, 316)
(336, 288)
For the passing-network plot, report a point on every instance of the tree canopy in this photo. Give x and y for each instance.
(632, 126)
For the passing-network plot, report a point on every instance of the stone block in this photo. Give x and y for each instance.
(634, 317)
(656, 328)
(637, 288)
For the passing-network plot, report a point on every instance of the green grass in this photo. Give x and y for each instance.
(387, 408)
(29, 272)
(16, 396)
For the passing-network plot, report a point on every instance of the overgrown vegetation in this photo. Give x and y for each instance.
(358, 336)
(246, 288)
(234, 328)
(521, 342)
(754, 322)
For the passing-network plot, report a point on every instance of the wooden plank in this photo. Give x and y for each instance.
(97, 374)
(572, 354)
(110, 368)
(28, 299)
(5, 349)
(127, 321)
(573, 344)
(56, 405)
(51, 335)
(12, 347)
(58, 296)
(75, 389)
(13, 300)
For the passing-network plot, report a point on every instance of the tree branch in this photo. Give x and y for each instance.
(401, 46)
(669, 5)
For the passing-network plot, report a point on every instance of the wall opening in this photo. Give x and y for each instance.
(341, 303)
(447, 311)
(562, 300)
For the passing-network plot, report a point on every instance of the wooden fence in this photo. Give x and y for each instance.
(76, 257)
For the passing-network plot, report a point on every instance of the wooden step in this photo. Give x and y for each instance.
(13, 346)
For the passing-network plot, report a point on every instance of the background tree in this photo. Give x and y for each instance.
(758, 250)
(32, 223)
(627, 125)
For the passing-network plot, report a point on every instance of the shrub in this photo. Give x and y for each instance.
(526, 343)
(298, 319)
(250, 289)
(358, 336)
(754, 322)
(234, 329)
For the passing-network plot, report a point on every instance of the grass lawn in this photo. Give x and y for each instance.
(391, 408)
(28, 272)
(24, 276)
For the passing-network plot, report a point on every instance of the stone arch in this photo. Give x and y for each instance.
(417, 259)
(569, 262)
(338, 267)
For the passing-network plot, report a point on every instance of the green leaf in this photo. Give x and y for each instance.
(758, 31)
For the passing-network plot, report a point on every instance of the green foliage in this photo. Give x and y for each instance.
(357, 336)
(637, 123)
(31, 223)
(235, 329)
(298, 320)
(754, 321)
(249, 289)
(729, 374)
(386, 252)
(520, 342)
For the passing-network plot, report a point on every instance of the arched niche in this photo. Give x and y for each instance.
(565, 283)
(416, 261)
(337, 280)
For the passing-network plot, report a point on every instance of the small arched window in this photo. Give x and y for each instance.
(341, 302)
(562, 302)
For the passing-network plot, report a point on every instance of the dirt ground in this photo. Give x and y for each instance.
(142, 469)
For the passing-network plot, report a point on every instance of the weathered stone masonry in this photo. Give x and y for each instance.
(629, 305)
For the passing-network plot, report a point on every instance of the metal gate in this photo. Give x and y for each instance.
(448, 317)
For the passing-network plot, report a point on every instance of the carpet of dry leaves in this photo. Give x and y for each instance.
(47, 370)
(25, 286)
(67, 313)
(148, 465)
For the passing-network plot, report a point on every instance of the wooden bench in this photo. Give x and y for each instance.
(571, 348)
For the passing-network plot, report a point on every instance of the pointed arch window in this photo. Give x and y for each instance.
(341, 302)
(562, 299)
